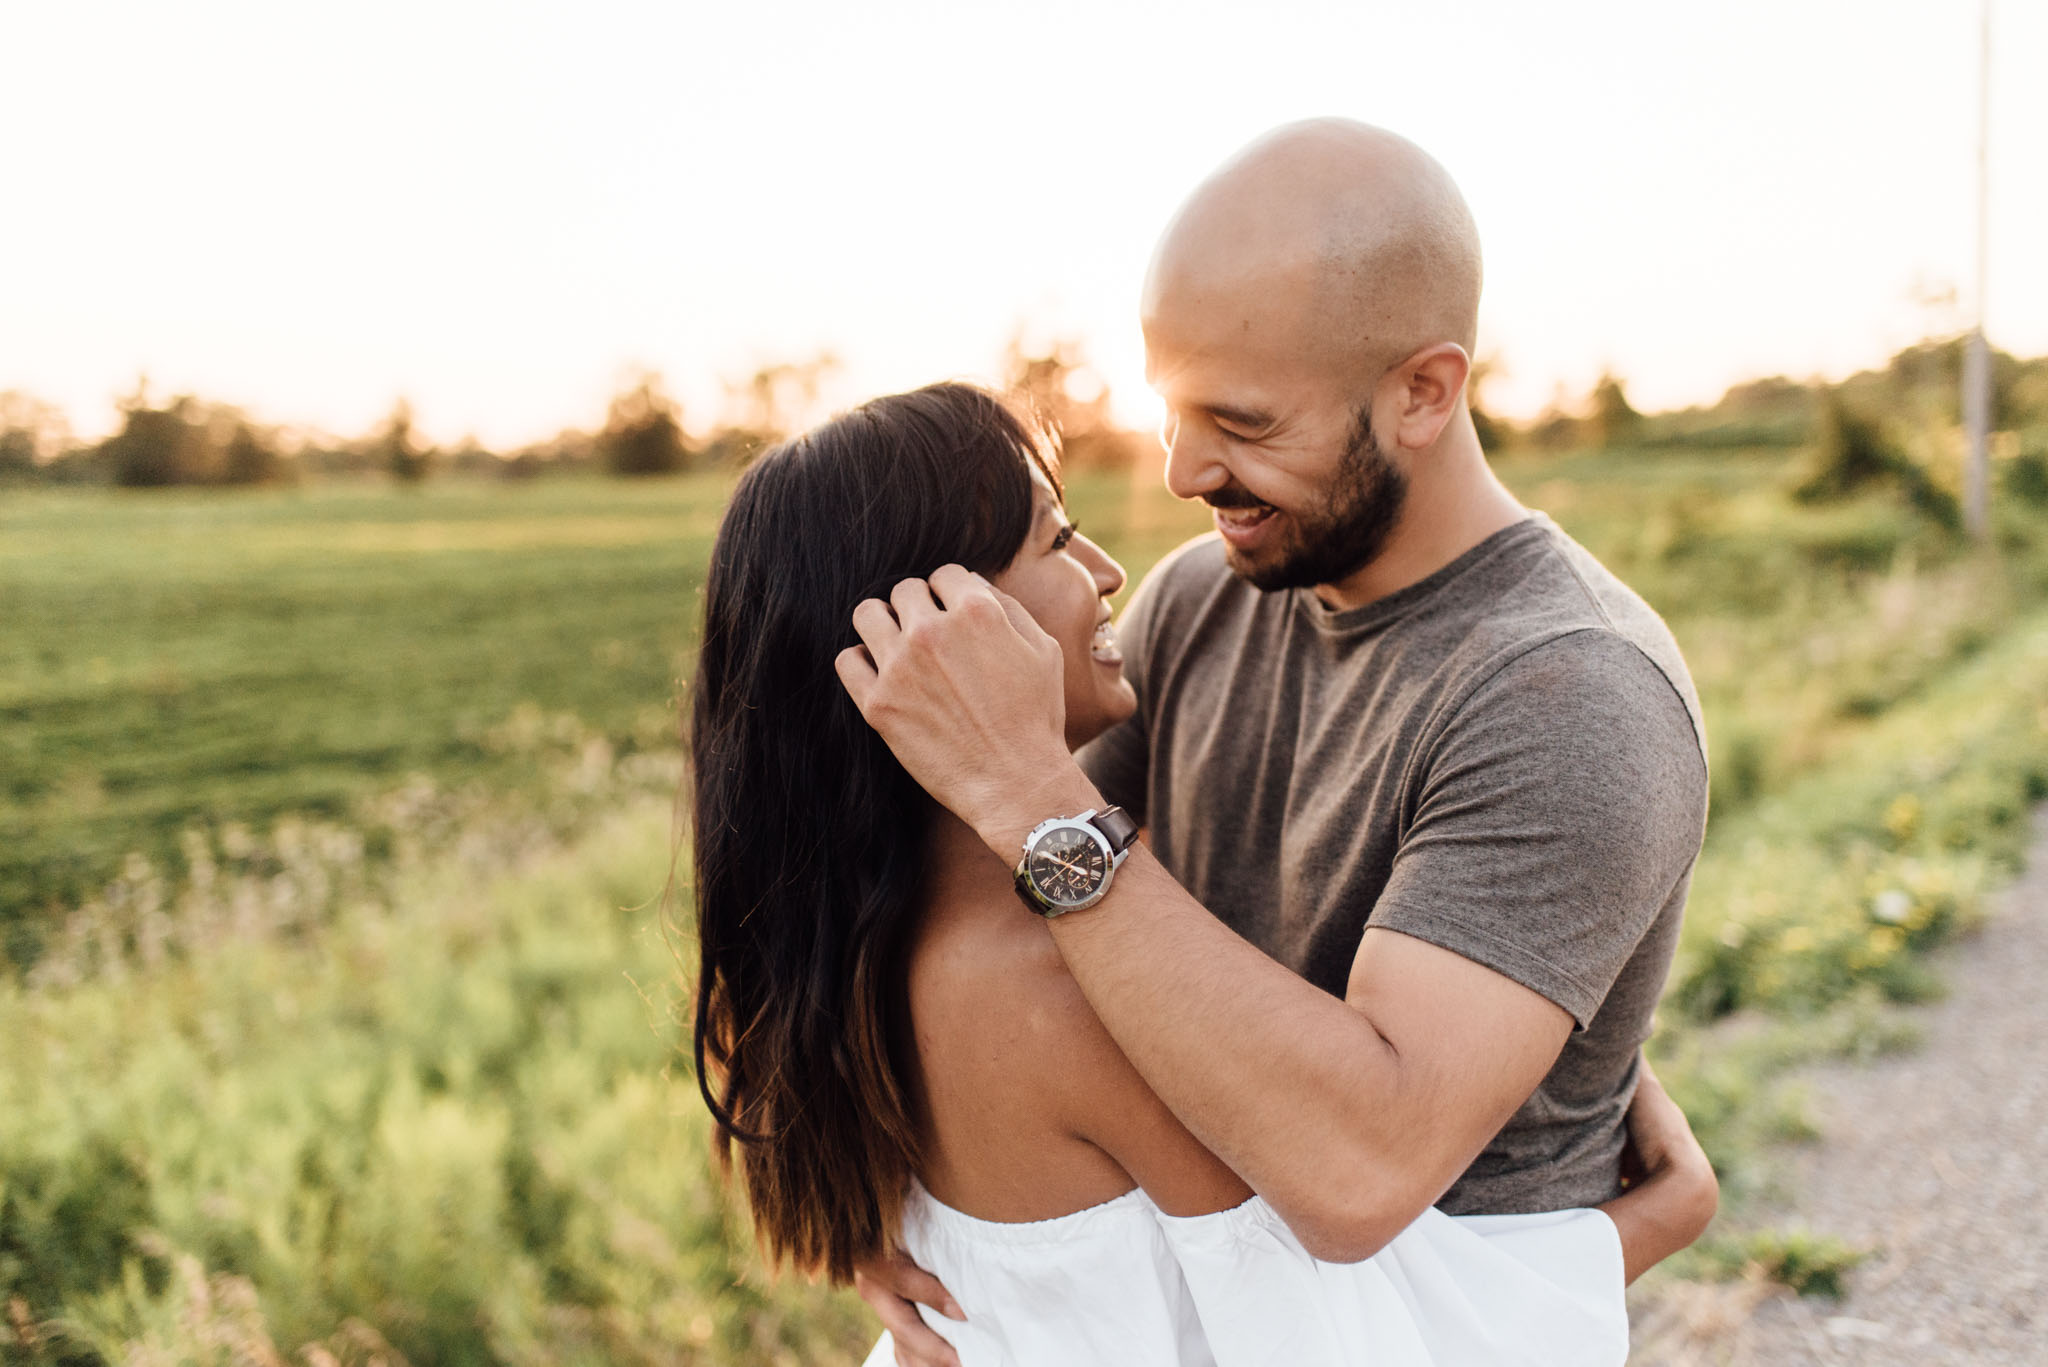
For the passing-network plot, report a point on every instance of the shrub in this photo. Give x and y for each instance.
(643, 433)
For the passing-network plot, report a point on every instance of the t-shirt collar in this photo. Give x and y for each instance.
(1382, 612)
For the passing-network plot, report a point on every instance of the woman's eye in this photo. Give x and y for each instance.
(1065, 534)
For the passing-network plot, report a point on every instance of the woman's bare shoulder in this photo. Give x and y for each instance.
(998, 1014)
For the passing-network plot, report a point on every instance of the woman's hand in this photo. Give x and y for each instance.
(1672, 1191)
(892, 1285)
(968, 692)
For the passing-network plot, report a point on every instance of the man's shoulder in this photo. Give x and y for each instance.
(1552, 607)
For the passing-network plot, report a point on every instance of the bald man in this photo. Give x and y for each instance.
(1424, 782)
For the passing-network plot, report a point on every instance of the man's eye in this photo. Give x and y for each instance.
(1065, 534)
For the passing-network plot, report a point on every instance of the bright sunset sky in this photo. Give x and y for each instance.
(497, 208)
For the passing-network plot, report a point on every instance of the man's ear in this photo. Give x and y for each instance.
(1430, 384)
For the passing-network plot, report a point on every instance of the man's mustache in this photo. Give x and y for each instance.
(1233, 496)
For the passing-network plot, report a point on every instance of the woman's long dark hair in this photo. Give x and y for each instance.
(810, 837)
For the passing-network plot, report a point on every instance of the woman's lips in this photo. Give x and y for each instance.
(1103, 648)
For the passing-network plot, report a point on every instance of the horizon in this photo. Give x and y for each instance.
(499, 215)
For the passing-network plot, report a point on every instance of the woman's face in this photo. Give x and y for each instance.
(1064, 581)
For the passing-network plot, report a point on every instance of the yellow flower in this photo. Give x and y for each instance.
(1902, 818)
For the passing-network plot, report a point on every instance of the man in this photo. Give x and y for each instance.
(1424, 782)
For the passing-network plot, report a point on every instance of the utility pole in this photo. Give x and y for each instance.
(1977, 359)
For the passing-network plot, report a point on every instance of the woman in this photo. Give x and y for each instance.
(893, 1044)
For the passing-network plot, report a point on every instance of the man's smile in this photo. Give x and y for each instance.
(1243, 528)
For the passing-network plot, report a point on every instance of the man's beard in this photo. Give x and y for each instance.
(1342, 537)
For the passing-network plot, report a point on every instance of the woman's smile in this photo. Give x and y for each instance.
(1103, 649)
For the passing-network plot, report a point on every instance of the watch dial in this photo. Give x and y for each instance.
(1067, 866)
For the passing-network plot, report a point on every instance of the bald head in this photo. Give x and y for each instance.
(1341, 241)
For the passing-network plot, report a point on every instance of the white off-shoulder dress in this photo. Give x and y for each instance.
(1123, 1284)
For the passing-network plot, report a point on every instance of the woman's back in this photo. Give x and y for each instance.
(1028, 1108)
(1074, 1220)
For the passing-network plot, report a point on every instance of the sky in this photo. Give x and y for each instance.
(501, 211)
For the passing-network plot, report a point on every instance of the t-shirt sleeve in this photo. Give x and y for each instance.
(1557, 811)
(1119, 760)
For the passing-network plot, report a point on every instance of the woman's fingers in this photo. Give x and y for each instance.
(916, 1284)
(895, 1276)
(891, 1286)
(1656, 1125)
(917, 1346)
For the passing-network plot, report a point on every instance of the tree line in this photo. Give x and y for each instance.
(187, 440)
(1880, 425)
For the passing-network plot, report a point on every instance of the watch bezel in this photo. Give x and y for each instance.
(1053, 906)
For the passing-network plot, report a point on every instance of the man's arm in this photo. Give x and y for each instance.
(1350, 1116)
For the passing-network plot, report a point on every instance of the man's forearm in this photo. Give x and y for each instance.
(1218, 1029)
(1292, 1087)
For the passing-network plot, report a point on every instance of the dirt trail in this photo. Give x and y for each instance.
(1937, 1161)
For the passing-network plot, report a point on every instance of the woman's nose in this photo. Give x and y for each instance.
(1109, 576)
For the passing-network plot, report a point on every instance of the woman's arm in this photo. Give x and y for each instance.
(1671, 1201)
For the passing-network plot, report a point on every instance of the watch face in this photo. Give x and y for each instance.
(1067, 865)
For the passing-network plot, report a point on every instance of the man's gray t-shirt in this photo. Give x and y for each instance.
(1505, 759)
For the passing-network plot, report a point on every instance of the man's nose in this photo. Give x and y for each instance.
(1192, 466)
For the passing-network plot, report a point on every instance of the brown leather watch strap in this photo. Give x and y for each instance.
(1117, 827)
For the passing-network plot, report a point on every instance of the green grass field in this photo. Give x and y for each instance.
(187, 659)
(181, 660)
(260, 1096)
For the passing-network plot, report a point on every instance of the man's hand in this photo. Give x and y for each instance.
(969, 693)
(892, 1285)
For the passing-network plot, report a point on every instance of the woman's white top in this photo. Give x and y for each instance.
(1123, 1284)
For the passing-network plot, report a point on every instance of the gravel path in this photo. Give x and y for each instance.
(1937, 1162)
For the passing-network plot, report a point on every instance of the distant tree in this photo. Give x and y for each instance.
(776, 400)
(1495, 434)
(2025, 476)
(188, 441)
(32, 434)
(1058, 380)
(472, 458)
(395, 448)
(1852, 453)
(17, 455)
(568, 449)
(643, 432)
(160, 446)
(251, 457)
(1557, 427)
(1611, 419)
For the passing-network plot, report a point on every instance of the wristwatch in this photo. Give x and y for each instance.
(1069, 860)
